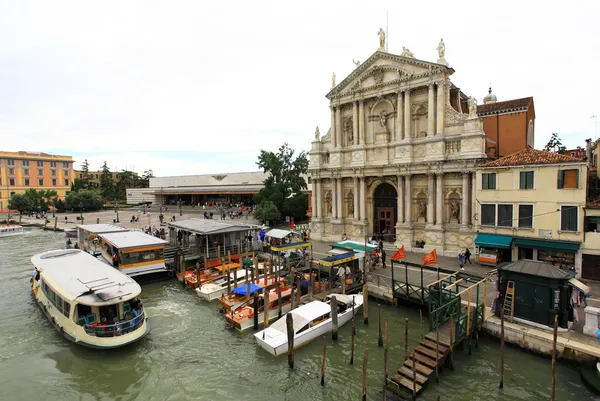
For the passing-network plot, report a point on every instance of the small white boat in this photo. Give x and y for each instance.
(218, 287)
(11, 230)
(242, 318)
(310, 321)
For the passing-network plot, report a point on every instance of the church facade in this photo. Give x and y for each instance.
(399, 158)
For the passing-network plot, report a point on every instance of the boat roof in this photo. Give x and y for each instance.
(279, 233)
(312, 310)
(101, 228)
(132, 239)
(353, 245)
(347, 299)
(78, 276)
(209, 226)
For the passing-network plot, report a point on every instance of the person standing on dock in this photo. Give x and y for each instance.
(461, 259)
(468, 256)
(383, 258)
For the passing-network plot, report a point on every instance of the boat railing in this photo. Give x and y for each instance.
(116, 329)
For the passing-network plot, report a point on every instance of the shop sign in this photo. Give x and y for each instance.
(545, 233)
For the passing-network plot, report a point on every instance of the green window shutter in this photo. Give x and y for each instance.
(561, 179)
(532, 179)
(522, 180)
(484, 181)
(493, 177)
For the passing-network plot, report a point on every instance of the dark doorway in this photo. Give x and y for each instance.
(525, 253)
(590, 267)
(386, 213)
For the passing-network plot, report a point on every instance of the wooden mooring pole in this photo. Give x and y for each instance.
(553, 393)
(380, 335)
(324, 359)
(421, 321)
(385, 359)
(289, 321)
(366, 303)
(469, 318)
(450, 355)
(334, 318)
(266, 308)
(406, 338)
(353, 335)
(501, 347)
(364, 375)
(255, 307)
(437, 347)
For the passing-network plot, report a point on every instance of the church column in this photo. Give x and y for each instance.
(363, 198)
(400, 200)
(430, 199)
(441, 108)
(473, 210)
(407, 201)
(407, 113)
(439, 202)
(430, 112)
(340, 197)
(333, 199)
(333, 136)
(464, 218)
(355, 122)
(313, 198)
(399, 122)
(338, 126)
(319, 198)
(356, 215)
(361, 122)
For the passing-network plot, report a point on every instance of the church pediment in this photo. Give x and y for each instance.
(382, 69)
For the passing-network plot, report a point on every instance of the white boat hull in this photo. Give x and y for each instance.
(273, 315)
(211, 292)
(13, 234)
(281, 347)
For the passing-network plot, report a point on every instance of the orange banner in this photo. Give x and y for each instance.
(429, 259)
(399, 254)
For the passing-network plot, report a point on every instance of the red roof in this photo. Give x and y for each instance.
(531, 156)
(505, 106)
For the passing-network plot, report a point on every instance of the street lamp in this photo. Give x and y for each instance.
(117, 209)
(54, 208)
(81, 212)
(179, 204)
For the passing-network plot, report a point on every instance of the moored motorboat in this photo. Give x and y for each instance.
(309, 321)
(242, 318)
(11, 230)
(87, 301)
(240, 295)
(218, 287)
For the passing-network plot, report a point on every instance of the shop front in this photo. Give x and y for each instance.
(561, 254)
(493, 249)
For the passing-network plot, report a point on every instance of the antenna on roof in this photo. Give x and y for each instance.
(387, 32)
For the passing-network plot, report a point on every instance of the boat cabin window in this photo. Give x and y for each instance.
(108, 314)
(63, 306)
(129, 258)
(83, 310)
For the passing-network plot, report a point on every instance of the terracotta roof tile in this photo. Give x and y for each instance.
(501, 107)
(531, 156)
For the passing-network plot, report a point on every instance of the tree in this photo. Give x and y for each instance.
(21, 203)
(41, 199)
(144, 180)
(85, 171)
(266, 211)
(284, 185)
(106, 183)
(555, 145)
(86, 199)
(77, 185)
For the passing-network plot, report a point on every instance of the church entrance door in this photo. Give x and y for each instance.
(385, 213)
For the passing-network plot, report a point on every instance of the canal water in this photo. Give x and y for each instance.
(190, 354)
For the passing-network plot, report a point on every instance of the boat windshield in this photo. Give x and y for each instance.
(141, 256)
(112, 320)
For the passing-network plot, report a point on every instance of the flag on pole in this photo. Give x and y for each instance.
(399, 254)
(429, 259)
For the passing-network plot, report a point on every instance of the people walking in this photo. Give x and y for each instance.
(461, 259)
(383, 258)
(468, 256)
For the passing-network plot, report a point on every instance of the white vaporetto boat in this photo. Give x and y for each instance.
(310, 321)
(217, 288)
(87, 301)
(11, 230)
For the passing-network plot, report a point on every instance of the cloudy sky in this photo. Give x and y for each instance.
(191, 87)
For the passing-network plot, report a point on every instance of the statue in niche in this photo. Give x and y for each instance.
(441, 49)
(317, 134)
(454, 209)
(422, 208)
(350, 205)
(472, 107)
(328, 203)
(349, 129)
(381, 34)
(383, 119)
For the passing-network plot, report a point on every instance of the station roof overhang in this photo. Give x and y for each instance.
(224, 190)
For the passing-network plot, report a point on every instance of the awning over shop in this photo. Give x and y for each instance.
(547, 245)
(578, 284)
(493, 241)
(593, 219)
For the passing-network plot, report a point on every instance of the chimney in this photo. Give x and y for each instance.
(588, 150)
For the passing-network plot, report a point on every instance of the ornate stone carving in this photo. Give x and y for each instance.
(219, 177)
(381, 34)
(350, 200)
(422, 208)
(419, 151)
(441, 49)
(349, 129)
(317, 134)
(328, 203)
(377, 74)
(453, 147)
(407, 53)
(472, 107)
(453, 117)
(471, 145)
(333, 81)
(356, 63)
(454, 209)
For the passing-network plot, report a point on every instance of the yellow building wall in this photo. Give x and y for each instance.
(52, 167)
(545, 197)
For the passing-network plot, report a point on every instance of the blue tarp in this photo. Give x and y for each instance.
(241, 290)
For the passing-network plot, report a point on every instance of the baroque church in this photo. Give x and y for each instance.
(400, 156)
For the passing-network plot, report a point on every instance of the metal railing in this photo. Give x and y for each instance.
(116, 329)
(380, 280)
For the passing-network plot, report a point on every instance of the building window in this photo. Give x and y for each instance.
(25, 171)
(53, 172)
(11, 170)
(26, 180)
(54, 182)
(39, 163)
(66, 173)
(26, 163)
(66, 181)
(11, 181)
(505, 215)
(65, 165)
(488, 215)
(526, 180)
(52, 164)
(41, 182)
(568, 179)
(10, 162)
(525, 216)
(488, 181)
(40, 172)
(568, 218)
